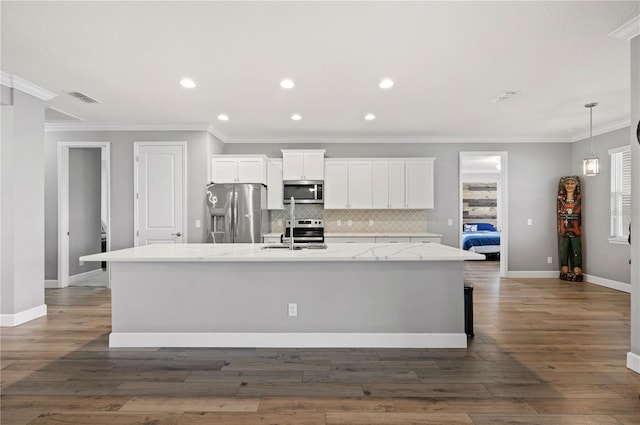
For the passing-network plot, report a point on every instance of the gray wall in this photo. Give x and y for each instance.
(533, 173)
(22, 216)
(200, 145)
(600, 258)
(84, 207)
(635, 187)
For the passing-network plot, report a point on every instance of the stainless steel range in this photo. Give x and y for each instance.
(305, 230)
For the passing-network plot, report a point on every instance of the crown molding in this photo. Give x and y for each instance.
(217, 133)
(603, 129)
(397, 140)
(123, 127)
(627, 31)
(15, 82)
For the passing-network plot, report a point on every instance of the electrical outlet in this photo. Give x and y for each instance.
(549, 260)
(339, 222)
(349, 223)
(293, 309)
(529, 222)
(197, 224)
(450, 222)
(370, 222)
(280, 222)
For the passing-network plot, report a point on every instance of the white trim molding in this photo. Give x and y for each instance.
(123, 127)
(608, 283)
(287, 340)
(633, 362)
(51, 284)
(15, 82)
(81, 277)
(547, 274)
(532, 274)
(16, 319)
(628, 30)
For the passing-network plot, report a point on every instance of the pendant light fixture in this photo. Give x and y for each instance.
(591, 167)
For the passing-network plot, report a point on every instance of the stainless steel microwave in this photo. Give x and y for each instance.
(303, 191)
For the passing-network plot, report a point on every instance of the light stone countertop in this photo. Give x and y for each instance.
(257, 253)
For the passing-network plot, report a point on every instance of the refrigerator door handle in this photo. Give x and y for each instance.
(235, 215)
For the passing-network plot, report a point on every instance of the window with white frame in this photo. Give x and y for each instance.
(620, 193)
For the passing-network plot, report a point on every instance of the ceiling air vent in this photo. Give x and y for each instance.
(83, 97)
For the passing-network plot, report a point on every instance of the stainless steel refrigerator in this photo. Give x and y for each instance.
(238, 212)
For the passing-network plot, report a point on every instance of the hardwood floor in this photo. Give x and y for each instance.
(545, 352)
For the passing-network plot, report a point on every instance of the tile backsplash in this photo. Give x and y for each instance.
(362, 221)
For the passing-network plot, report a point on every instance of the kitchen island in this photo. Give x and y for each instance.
(249, 295)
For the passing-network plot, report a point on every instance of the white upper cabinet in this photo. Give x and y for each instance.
(388, 184)
(372, 183)
(274, 184)
(419, 193)
(303, 164)
(239, 169)
(347, 184)
(336, 184)
(360, 187)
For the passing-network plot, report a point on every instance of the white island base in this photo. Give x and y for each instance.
(350, 295)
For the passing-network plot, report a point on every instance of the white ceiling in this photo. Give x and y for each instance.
(449, 60)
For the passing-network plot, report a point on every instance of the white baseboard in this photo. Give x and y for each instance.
(51, 283)
(15, 319)
(532, 274)
(619, 286)
(633, 362)
(287, 340)
(544, 274)
(80, 277)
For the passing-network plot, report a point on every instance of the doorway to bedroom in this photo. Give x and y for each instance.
(483, 204)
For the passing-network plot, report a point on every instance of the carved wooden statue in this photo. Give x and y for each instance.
(569, 223)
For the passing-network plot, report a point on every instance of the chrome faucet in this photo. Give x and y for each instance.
(292, 220)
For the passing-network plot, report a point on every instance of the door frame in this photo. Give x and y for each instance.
(63, 202)
(136, 152)
(503, 207)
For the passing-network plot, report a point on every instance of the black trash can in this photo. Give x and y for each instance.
(468, 309)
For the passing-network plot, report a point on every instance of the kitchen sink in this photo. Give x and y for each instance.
(297, 246)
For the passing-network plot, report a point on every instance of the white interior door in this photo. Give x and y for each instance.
(160, 179)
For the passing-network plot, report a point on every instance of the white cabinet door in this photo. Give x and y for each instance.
(432, 239)
(380, 179)
(336, 184)
(271, 239)
(224, 170)
(419, 183)
(233, 169)
(251, 170)
(292, 166)
(396, 184)
(341, 239)
(360, 185)
(388, 239)
(313, 165)
(274, 184)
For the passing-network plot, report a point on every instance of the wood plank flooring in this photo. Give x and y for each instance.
(545, 352)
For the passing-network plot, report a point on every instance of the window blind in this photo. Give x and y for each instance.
(620, 192)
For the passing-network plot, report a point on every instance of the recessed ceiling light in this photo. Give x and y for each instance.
(296, 117)
(223, 117)
(187, 83)
(287, 83)
(369, 117)
(386, 83)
